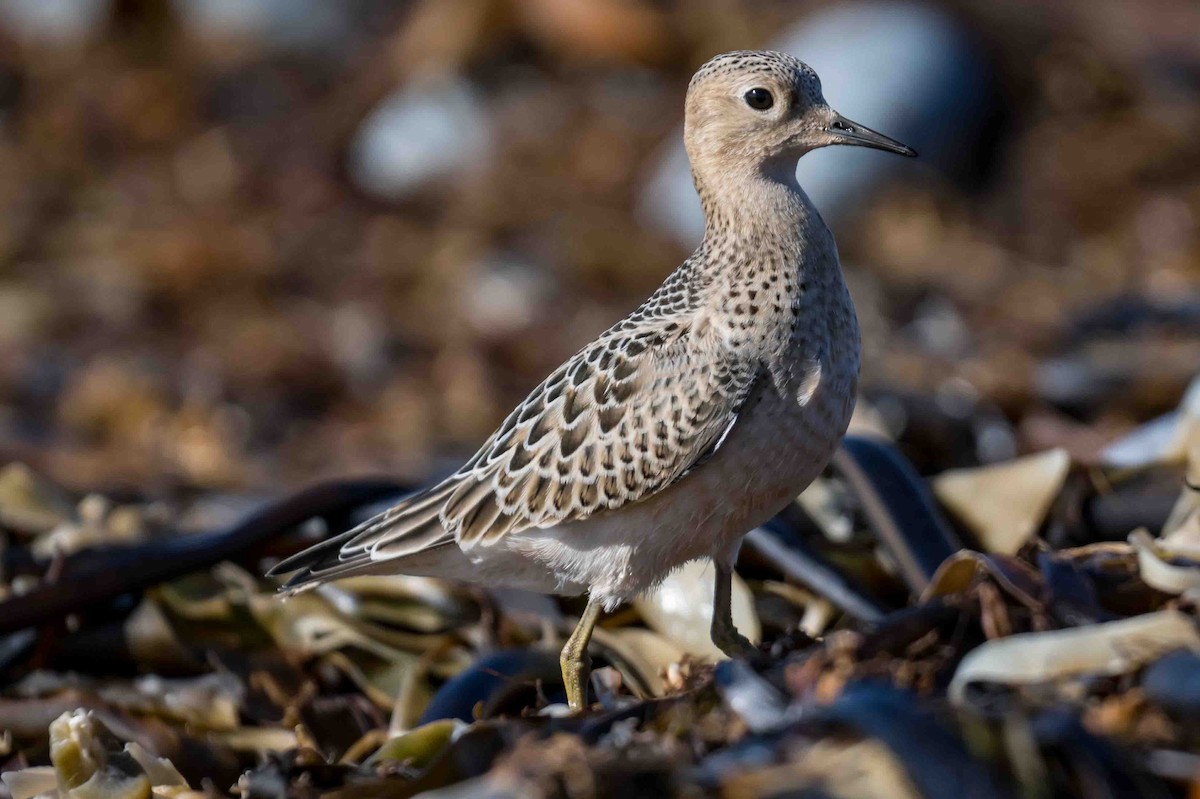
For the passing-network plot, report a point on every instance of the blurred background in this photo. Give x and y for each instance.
(250, 243)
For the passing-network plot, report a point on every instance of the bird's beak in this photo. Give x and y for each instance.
(844, 131)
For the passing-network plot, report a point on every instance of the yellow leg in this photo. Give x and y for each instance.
(724, 633)
(574, 658)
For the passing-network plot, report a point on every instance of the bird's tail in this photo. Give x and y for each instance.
(408, 528)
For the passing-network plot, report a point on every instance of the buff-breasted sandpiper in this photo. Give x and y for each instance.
(686, 424)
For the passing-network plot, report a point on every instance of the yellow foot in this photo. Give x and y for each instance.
(574, 659)
(575, 674)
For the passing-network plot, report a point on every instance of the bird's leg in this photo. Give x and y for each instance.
(724, 633)
(574, 658)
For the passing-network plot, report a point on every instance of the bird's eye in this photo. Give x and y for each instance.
(759, 99)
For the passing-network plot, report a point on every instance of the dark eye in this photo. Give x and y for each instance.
(759, 99)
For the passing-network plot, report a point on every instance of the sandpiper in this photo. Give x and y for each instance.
(684, 425)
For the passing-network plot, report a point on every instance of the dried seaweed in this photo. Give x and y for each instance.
(390, 686)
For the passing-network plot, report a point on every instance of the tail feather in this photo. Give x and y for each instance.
(406, 528)
(409, 527)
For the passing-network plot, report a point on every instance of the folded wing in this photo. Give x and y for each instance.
(622, 419)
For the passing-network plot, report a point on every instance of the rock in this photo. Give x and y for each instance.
(504, 298)
(279, 24)
(429, 130)
(52, 19)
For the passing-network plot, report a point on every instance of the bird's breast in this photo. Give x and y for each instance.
(806, 408)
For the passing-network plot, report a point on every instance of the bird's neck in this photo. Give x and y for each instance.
(762, 214)
(769, 272)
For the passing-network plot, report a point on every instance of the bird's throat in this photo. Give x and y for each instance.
(759, 211)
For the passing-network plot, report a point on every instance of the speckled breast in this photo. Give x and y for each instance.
(792, 432)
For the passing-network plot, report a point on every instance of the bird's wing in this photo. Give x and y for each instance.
(622, 419)
(618, 422)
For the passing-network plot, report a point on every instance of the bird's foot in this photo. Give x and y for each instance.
(575, 673)
(574, 660)
(734, 644)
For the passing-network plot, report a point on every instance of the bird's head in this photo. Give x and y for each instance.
(763, 110)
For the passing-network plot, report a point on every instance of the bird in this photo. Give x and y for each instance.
(683, 426)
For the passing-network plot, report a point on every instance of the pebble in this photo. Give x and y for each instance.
(429, 130)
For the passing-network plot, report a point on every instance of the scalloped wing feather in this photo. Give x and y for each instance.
(620, 421)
